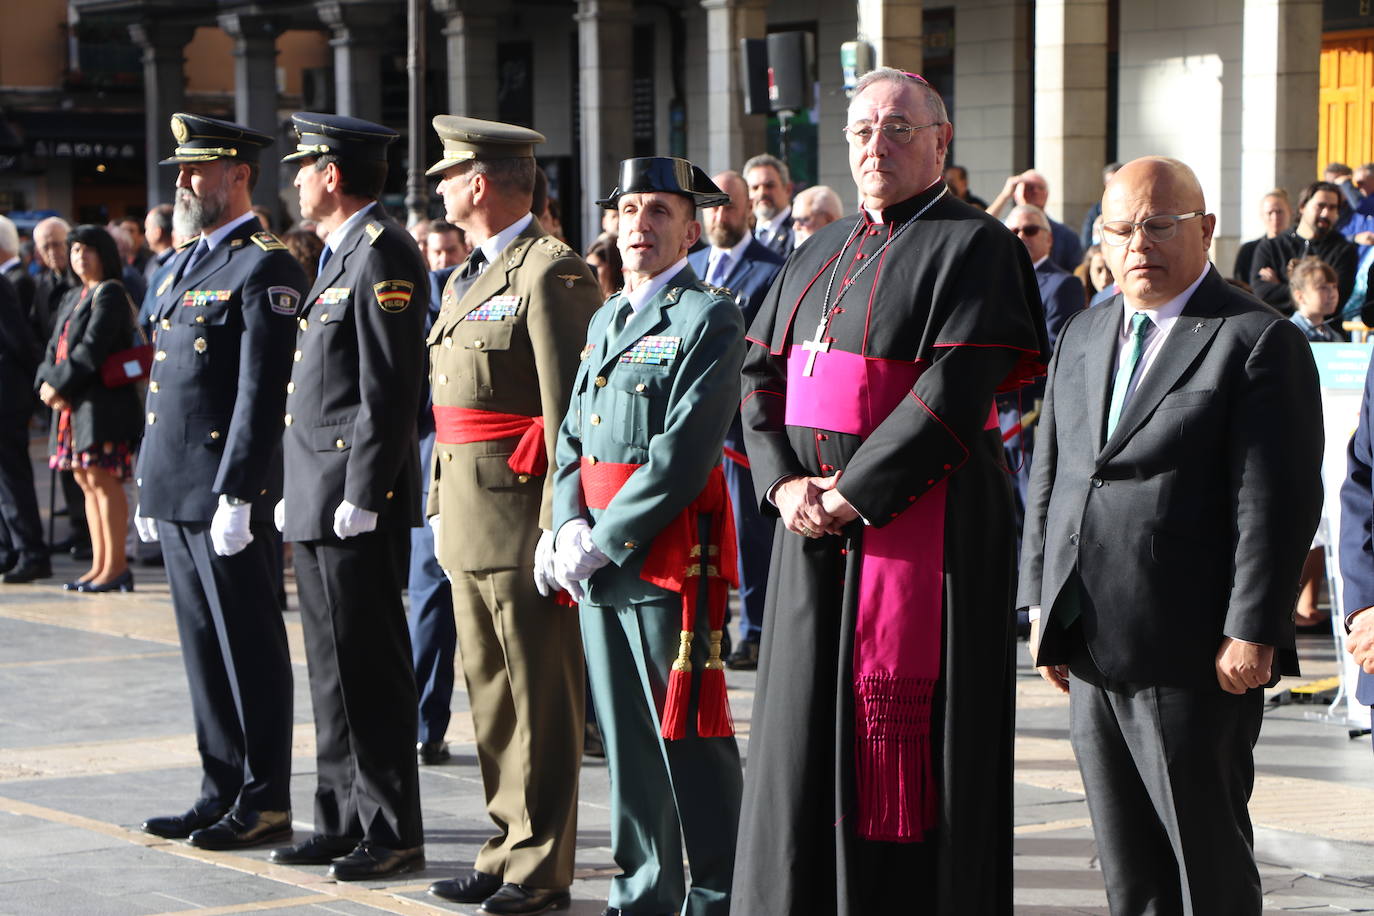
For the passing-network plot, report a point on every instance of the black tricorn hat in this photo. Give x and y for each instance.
(665, 173)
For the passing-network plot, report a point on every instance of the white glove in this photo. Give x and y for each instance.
(229, 528)
(434, 526)
(146, 528)
(576, 556)
(349, 520)
(279, 514)
(544, 578)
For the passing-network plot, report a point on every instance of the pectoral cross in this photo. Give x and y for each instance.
(819, 345)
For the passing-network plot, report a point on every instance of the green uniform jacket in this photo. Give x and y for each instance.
(510, 346)
(662, 396)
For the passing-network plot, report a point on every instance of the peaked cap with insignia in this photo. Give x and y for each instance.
(665, 173)
(466, 139)
(338, 135)
(202, 139)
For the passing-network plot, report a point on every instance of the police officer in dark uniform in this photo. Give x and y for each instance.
(352, 493)
(209, 474)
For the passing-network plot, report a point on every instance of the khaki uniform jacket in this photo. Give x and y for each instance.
(509, 345)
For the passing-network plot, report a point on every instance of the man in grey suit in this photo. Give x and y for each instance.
(1189, 411)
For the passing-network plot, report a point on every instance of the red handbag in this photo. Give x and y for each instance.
(132, 365)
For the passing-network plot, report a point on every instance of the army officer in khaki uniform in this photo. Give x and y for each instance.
(503, 353)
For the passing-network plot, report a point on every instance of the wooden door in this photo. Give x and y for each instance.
(1346, 120)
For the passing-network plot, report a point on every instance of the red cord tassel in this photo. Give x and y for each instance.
(713, 708)
(679, 696)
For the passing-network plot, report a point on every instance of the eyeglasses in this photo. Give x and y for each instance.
(1156, 228)
(897, 133)
(1029, 232)
(803, 221)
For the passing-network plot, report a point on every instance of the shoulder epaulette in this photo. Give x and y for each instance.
(374, 232)
(721, 291)
(555, 247)
(268, 242)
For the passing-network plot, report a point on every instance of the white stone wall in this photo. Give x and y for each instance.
(992, 91)
(1180, 95)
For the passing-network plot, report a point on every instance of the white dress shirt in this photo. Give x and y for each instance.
(765, 232)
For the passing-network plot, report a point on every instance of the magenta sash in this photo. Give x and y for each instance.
(898, 630)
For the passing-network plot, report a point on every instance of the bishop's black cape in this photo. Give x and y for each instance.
(955, 292)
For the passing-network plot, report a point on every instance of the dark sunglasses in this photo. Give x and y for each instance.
(1029, 232)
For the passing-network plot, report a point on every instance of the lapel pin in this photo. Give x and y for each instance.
(1197, 327)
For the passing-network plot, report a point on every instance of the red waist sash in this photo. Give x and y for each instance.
(679, 562)
(462, 425)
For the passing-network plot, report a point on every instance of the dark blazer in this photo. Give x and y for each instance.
(1062, 294)
(781, 242)
(224, 330)
(1357, 524)
(1068, 250)
(19, 353)
(1193, 521)
(101, 325)
(355, 384)
(23, 285)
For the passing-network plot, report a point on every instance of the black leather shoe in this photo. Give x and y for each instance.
(179, 826)
(318, 850)
(241, 828)
(367, 862)
(475, 888)
(518, 900)
(430, 753)
(592, 743)
(29, 570)
(8, 561)
(745, 657)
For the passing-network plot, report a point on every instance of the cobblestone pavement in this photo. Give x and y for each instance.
(96, 735)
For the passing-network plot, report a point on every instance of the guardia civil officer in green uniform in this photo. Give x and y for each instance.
(352, 491)
(209, 473)
(503, 353)
(644, 536)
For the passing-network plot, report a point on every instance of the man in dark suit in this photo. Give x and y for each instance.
(12, 266)
(352, 485)
(1357, 545)
(1174, 495)
(23, 554)
(770, 194)
(209, 474)
(1031, 187)
(744, 268)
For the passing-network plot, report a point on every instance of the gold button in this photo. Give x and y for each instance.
(639, 387)
(200, 319)
(477, 344)
(304, 324)
(338, 443)
(601, 381)
(324, 316)
(448, 342)
(214, 434)
(596, 419)
(153, 386)
(631, 545)
(443, 379)
(160, 355)
(390, 493)
(448, 456)
(262, 492)
(522, 478)
(591, 460)
(297, 356)
(289, 421)
(201, 345)
(152, 418)
(290, 387)
(166, 325)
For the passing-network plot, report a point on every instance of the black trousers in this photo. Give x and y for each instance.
(362, 684)
(1168, 773)
(233, 643)
(21, 530)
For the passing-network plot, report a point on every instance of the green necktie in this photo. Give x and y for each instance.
(1140, 325)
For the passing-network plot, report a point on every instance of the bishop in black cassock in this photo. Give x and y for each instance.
(879, 772)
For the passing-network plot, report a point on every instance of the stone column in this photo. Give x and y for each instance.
(1071, 103)
(604, 36)
(471, 34)
(732, 135)
(164, 94)
(255, 93)
(992, 79)
(1280, 59)
(894, 29)
(361, 31)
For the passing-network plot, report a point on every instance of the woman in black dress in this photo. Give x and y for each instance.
(95, 428)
